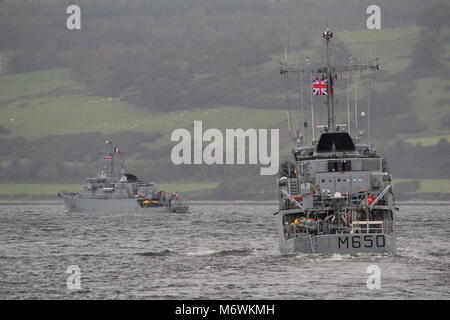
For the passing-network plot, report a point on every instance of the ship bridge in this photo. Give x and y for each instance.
(338, 164)
(332, 145)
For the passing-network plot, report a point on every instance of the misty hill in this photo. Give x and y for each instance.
(138, 70)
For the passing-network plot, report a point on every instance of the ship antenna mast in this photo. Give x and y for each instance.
(328, 73)
(110, 158)
(328, 35)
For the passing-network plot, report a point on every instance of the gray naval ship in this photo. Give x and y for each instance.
(106, 192)
(336, 195)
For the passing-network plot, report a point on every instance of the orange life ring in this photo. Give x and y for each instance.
(371, 198)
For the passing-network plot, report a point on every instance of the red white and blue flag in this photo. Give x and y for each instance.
(320, 87)
(108, 158)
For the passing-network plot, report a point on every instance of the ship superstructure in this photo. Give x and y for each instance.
(336, 195)
(108, 192)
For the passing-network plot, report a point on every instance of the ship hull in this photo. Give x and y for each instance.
(340, 243)
(74, 204)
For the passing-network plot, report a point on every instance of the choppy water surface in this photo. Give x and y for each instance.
(214, 252)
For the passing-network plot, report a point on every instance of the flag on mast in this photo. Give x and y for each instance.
(117, 150)
(320, 87)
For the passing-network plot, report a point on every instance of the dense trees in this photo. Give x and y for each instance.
(59, 158)
(417, 161)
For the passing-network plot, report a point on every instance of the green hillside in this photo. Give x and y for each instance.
(41, 103)
(38, 190)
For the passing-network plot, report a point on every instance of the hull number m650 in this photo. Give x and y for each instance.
(367, 241)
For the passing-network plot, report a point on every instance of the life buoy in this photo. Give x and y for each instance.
(297, 221)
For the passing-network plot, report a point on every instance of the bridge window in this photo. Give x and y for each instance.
(339, 166)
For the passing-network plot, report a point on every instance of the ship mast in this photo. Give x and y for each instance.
(327, 35)
(329, 72)
(111, 157)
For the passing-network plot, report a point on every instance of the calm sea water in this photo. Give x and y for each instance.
(214, 252)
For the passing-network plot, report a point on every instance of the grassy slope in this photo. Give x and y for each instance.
(431, 185)
(12, 189)
(41, 103)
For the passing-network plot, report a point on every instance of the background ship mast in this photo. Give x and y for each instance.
(110, 158)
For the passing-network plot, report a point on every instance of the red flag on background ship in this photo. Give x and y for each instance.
(331, 85)
(117, 150)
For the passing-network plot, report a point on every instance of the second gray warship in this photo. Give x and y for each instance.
(336, 195)
(106, 192)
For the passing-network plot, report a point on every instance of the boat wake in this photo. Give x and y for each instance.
(229, 252)
(155, 253)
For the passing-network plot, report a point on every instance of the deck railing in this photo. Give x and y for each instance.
(365, 226)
